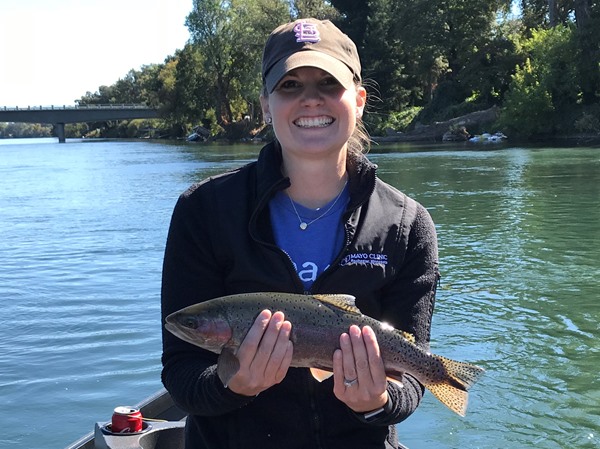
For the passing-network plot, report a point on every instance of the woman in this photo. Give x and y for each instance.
(309, 216)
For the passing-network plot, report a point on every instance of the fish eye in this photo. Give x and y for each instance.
(189, 322)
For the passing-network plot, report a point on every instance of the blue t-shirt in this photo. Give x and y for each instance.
(313, 249)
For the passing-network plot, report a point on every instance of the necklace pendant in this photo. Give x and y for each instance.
(303, 226)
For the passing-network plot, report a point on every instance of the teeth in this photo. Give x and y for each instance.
(313, 122)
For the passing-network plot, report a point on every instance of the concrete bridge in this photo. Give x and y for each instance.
(59, 115)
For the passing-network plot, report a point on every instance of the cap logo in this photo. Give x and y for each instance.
(307, 32)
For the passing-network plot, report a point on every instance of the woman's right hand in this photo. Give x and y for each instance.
(264, 355)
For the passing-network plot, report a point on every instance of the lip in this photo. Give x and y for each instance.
(321, 121)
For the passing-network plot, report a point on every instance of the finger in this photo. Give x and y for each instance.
(285, 363)
(361, 360)
(338, 373)
(247, 350)
(348, 364)
(338, 368)
(268, 342)
(376, 364)
(280, 352)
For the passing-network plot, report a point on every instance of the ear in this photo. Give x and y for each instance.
(264, 104)
(361, 101)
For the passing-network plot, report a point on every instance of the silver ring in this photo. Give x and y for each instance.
(349, 383)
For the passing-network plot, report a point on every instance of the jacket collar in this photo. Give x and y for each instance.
(361, 171)
(268, 170)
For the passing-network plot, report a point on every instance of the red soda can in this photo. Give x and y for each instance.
(126, 419)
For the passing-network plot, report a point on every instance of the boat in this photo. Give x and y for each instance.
(487, 137)
(163, 428)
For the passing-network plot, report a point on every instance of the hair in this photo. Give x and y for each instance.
(360, 141)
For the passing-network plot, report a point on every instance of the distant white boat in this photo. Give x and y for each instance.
(487, 137)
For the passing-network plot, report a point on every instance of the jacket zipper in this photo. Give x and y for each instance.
(347, 241)
(259, 208)
(317, 426)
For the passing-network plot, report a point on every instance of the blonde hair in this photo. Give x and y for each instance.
(360, 140)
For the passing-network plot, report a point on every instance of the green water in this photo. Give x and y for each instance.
(519, 241)
(83, 226)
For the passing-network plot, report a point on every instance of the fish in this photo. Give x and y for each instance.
(220, 325)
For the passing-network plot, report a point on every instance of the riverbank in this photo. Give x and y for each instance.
(567, 140)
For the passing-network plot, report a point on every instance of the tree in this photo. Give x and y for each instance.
(545, 89)
(587, 16)
(230, 36)
(190, 97)
(318, 9)
(441, 41)
(545, 13)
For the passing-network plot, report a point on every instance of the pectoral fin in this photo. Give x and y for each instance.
(227, 366)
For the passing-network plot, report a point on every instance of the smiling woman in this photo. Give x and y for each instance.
(313, 115)
(292, 222)
(85, 45)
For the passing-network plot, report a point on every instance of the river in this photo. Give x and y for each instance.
(83, 227)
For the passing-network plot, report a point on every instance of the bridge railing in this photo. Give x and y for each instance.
(75, 107)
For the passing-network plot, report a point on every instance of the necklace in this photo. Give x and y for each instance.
(303, 223)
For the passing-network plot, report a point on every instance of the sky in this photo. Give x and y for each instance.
(52, 52)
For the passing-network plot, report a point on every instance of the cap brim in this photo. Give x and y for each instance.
(309, 58)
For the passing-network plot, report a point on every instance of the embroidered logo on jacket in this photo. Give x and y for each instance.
(372, 259)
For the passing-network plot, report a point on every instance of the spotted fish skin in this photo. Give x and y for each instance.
(220, 325)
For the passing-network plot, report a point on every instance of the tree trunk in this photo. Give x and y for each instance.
(582, 13)
(552, 13)
(590, 52)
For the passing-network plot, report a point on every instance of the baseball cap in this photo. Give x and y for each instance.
(310, 43)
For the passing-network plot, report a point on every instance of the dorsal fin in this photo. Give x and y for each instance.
(341, 301)
(408, 336)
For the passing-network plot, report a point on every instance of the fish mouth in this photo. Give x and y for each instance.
(177, 331)
(170, 327)
(321, 121)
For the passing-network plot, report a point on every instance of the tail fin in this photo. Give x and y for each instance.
(452, 391)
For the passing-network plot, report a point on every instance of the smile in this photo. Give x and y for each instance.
(313, 122)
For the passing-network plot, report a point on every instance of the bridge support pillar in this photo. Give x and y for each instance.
(59, 129)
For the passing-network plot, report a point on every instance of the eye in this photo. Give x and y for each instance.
(189, 322)
(289, 84)
(330, 81)
(331, 85)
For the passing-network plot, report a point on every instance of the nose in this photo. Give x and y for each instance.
(311, 94)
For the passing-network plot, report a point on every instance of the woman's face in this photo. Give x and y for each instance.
(312, 113)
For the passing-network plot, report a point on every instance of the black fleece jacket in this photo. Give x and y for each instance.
(220, 242)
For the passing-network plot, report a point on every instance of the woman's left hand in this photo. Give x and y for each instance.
(358, 372)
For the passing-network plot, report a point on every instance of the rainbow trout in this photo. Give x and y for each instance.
(219, 325)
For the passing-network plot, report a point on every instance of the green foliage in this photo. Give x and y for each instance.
(545, 87)
(537, 14)
(431, 59)
(76, 130)
(318, 9)
(589, 121)
(25, 130)
(555, 56)
(528, 106)
(230, 36)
